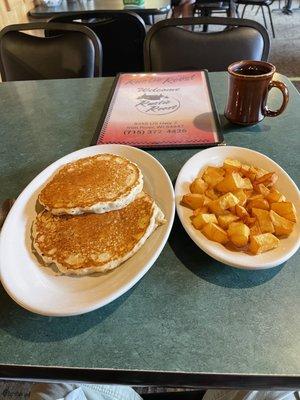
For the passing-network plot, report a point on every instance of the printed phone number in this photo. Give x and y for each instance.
(152, 131)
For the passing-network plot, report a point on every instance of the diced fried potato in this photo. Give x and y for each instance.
(214, 207)
(248, 193)
(210, 193)
(250, 221)
(255, 197)
(228, 200)
(261, 172)
(258, 203)
(255, 229)
(285, 209)
(201, 210)
(201, 219)
(231, 165)
(264, 242)
(238, 233)
(282, 226)
(194, 200)
(241, 195)
(225, 220)
(275, 196)
(251, 173)
(213, 175)
(268, 179)
(215, 232)
(264, 220)
(247, 184)
(241, 212)
(262, 189)
(198, 186)
(233, 182)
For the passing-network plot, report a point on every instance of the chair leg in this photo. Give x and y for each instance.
(271, 21)
(264, 17)
(244, 9)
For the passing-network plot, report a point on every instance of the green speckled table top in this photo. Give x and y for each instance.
(189, 314)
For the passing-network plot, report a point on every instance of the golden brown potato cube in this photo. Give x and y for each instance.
(225, 220)
(198, 186)
(247, 184)
(214, 207)
(255, 229)
(231, 165)
(232, 182)
(268, 179)
(241, 212)
(215, 233)
(241, 195)
(261, 172)
(258, 203)
(250, 221)
(202, 219)
(248, 193)
(264, 220)
(262, 189)
(264, 242)
(275, 197)
(282, 226)
(245, 168)
(213, 175)
(210, 193)
(194, 200)
(201, 210)
(285, 209)
(227, 200)
(238, 233)
(251, 173)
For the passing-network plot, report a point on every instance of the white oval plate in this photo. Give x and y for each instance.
(215, 157)
(37, 288)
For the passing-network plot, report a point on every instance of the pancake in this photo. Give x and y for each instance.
(88, 243)
(97, 184)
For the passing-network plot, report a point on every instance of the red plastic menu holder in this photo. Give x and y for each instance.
(168, 109)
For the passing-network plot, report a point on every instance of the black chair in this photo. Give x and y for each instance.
(168, 47)
(74, 52)
(122, 36)
(261, 4)
(205, 8)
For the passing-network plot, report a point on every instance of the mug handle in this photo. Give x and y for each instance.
(285, 94)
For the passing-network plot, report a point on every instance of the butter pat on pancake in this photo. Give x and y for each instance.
(97, 184)
(88, 243)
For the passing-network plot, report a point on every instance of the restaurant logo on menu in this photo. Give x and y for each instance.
(156, 104)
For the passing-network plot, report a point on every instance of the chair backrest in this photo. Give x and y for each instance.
(170, 47)
(122, 36)
(74, 52)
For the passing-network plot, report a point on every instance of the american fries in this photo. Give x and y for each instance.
(238, 206)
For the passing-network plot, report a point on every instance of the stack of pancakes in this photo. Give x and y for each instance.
(96, 215)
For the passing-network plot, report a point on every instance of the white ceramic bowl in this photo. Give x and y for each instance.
(215, 157)
(36, 288)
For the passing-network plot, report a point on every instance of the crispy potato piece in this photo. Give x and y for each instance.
(228, 200)
(214, 207)
(264, 220)
(261, 172)
(258, 203)
(202, 219)
(198, 186)
(225, 220)
(251, 173)
(201, 210)
(261, 243)
(241, 212)
(268, 179)
(285, 209)
(194, 200)
(241, 195)
(250, 221)
(238, 233)
(255, 229)
(282, 226)
(213, 175)
(231, 165)
(262, 189)
(215, 232)
(275, 197)
(233, 182)
(211, 194)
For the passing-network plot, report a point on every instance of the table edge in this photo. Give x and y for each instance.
(149, 378)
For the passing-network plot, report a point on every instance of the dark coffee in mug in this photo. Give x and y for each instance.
(249, 85)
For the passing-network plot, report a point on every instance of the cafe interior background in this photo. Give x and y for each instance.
(285, 54)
